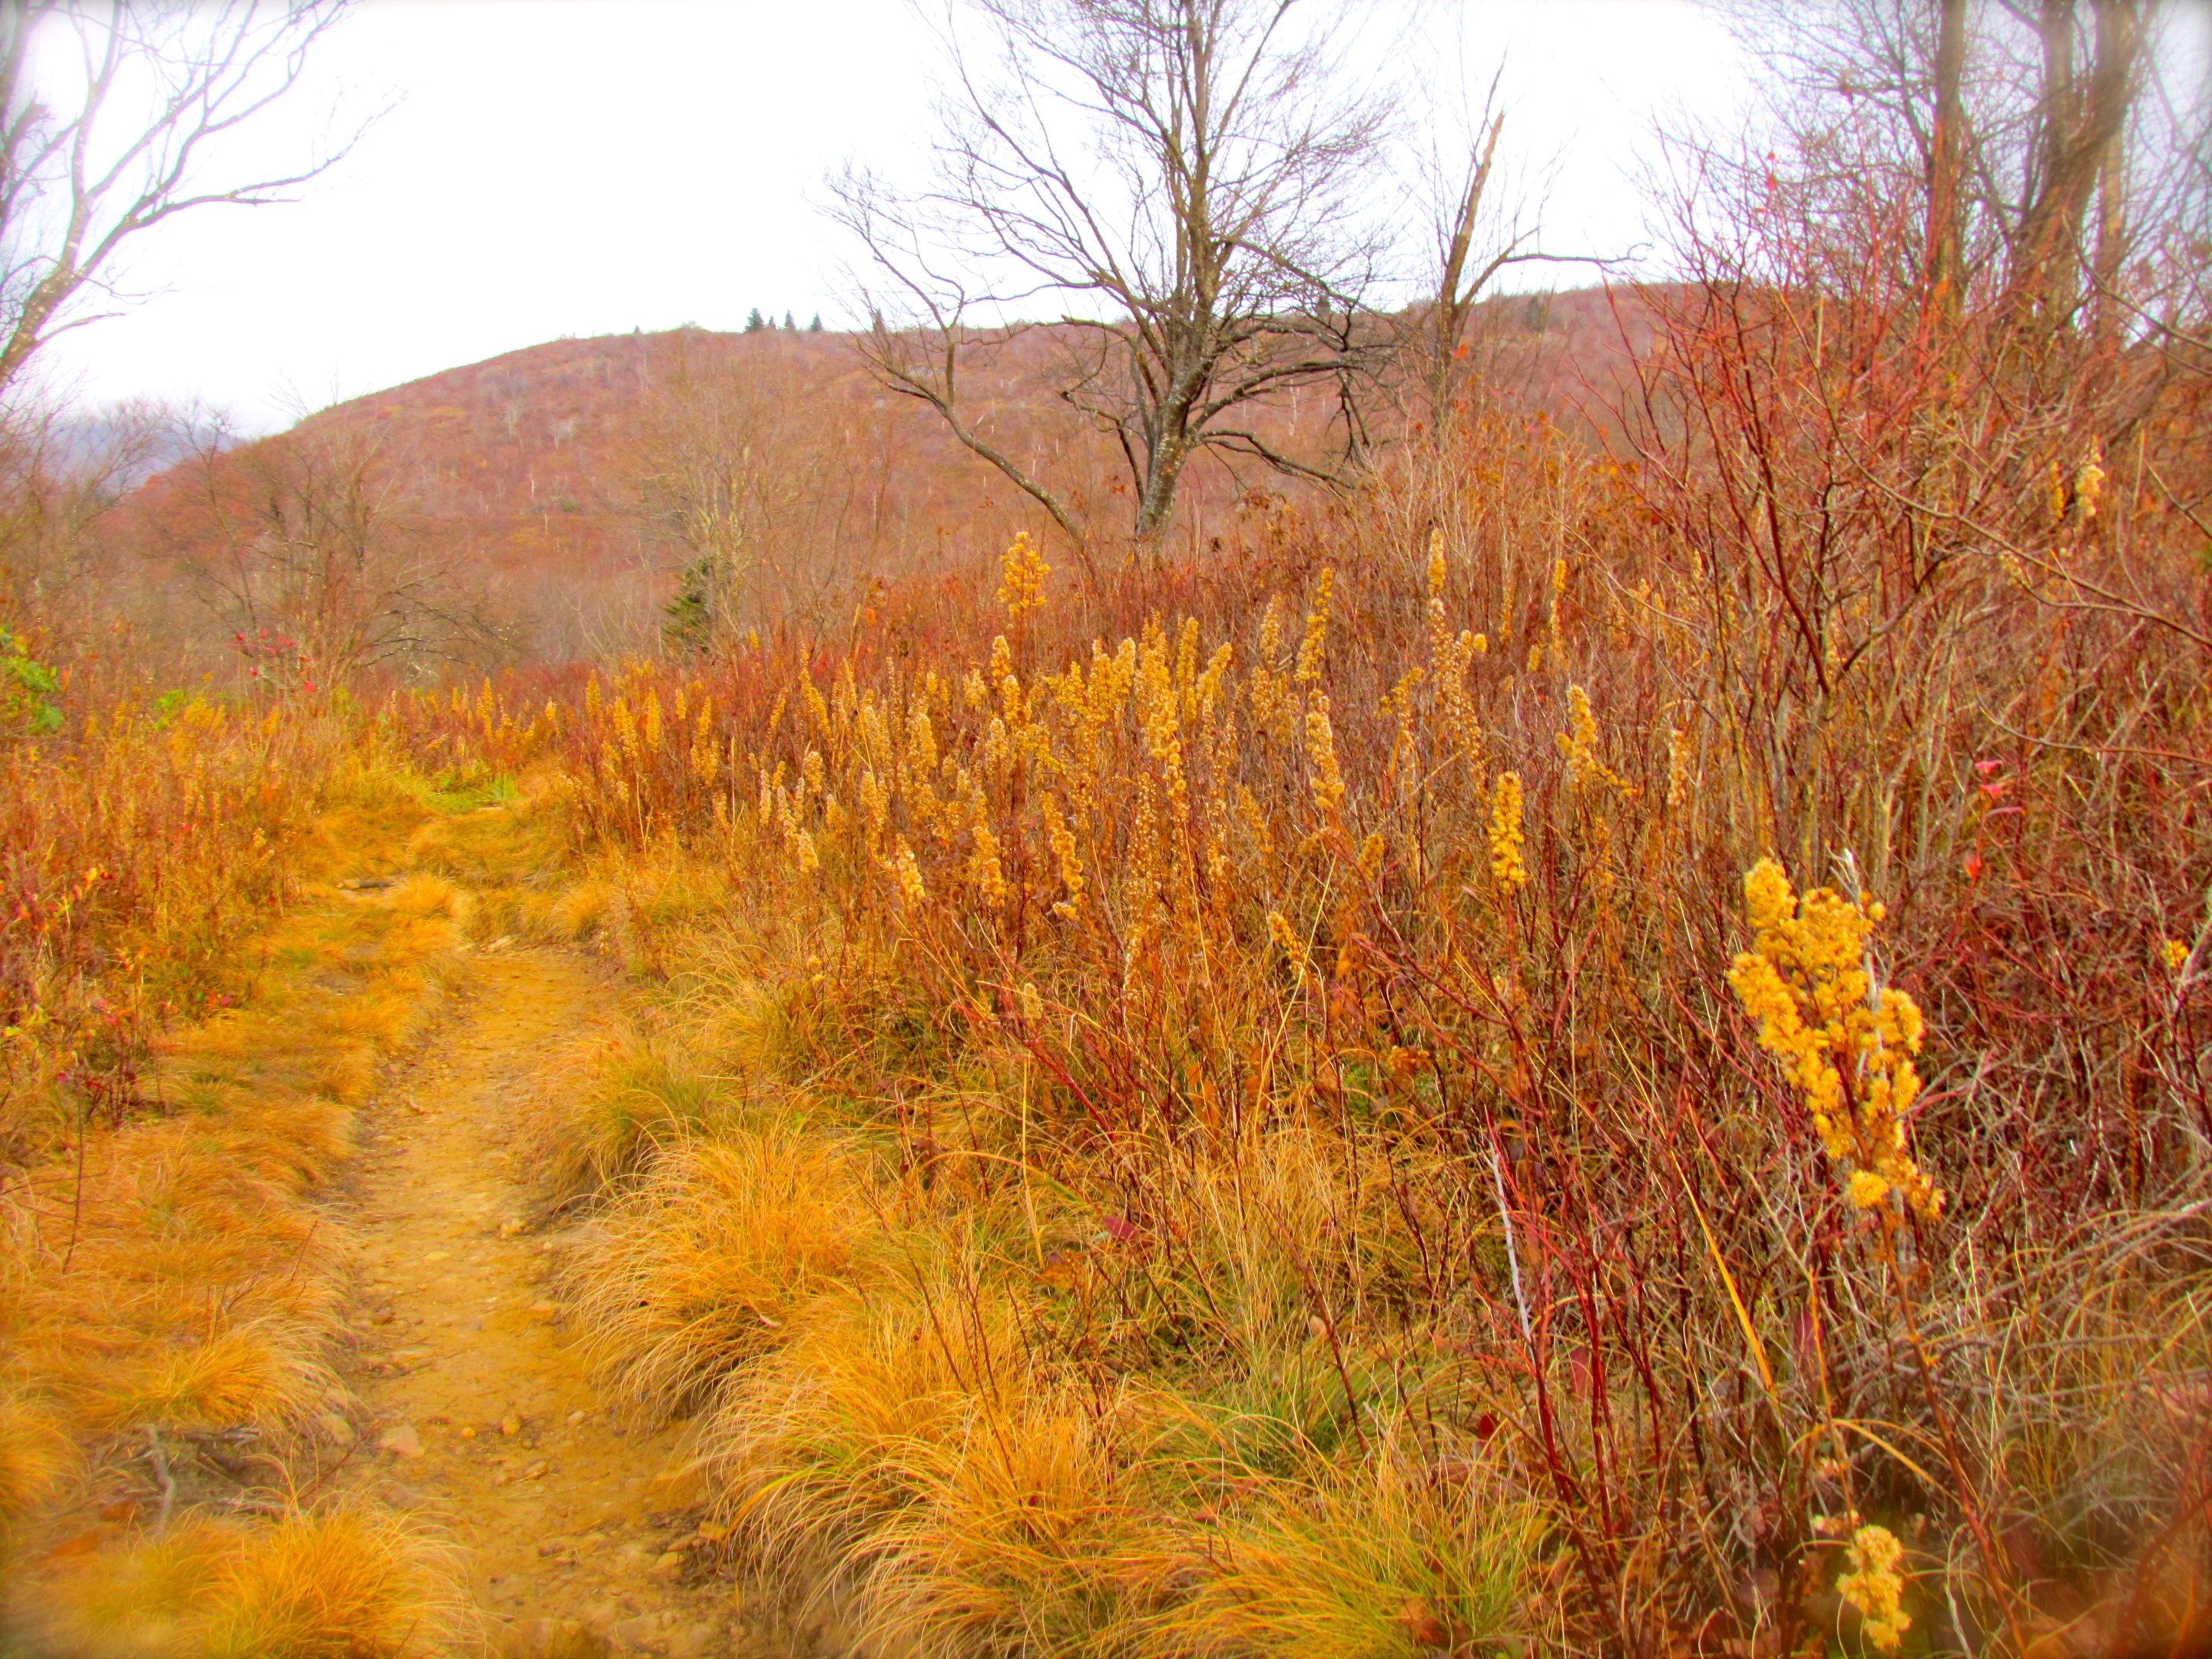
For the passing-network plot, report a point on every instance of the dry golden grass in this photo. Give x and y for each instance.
(601, 1111)
(173, 1276)
(704, 1264)
(334, 1584)
(1398, 1558)
(1031, 1533)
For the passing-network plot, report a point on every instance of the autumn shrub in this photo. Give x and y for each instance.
(140, 843)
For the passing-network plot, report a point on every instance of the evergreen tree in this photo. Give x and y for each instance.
(688, 623)
(756, 322)
(789, 327)
(815, 327)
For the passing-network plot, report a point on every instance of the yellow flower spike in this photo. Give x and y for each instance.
(1372, 854)
(1873, 1587)
(1022, 571)
(1286, 941)
(1848, 1049)
(1866, 1189)
(1579, 743)
(1506, 837)
(1678, 767)
(2176, 954)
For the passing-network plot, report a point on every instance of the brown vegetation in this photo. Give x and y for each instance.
(1596, 1042)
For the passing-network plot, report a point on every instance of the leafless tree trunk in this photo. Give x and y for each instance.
(2082, 124)
(1947, 152)
(1183, 177)
(131, 104)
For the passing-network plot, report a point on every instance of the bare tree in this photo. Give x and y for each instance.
(2019, 127)
(308, 552)
(1184, 178)
(58, 478)
(109, 116)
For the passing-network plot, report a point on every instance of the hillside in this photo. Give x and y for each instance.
(518, 486)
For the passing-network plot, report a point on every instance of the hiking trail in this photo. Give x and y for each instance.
(575, 1531)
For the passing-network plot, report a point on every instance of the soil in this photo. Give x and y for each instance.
(578, 1532)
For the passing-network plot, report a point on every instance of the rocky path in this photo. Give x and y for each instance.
(575, 1530)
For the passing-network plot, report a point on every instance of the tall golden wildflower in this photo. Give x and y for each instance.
(910, 874)
(1062, 840)
(1270, 688)
(1313, 650)
(706, 756)
(1579, 743)
(1320, 750)
(1874, 1588)
(1021, 578)
(1507, 865)
(1845, 1044)
(983, 867)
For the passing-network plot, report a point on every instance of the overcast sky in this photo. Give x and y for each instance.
(588, 167)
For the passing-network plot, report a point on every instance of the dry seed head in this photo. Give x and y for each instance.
(1436, 566)
(910, 875)
(1320, 750)
(2089, 482)
(1313, 650)
(1678, 768)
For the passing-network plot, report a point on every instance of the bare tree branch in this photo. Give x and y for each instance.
(1182, 176)
(89, 160)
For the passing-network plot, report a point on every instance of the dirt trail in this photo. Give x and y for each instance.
(481, 1417)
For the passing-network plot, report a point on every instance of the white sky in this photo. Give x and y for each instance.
(587, 167)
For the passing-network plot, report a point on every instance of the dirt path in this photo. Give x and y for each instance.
(483, 1419)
